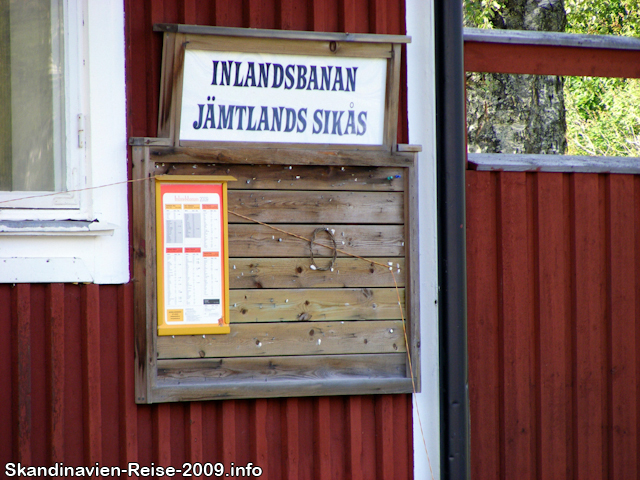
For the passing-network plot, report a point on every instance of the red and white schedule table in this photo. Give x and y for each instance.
(191, 258)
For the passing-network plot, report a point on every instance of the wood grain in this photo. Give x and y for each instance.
(623, 444)
(289, 47)
(483, 325)
(517, 324)
(589, 329)
(277, 206)
(290, 305)
(277, 388)
(554, 319)
(295, 338)
(262, 368)
(281, 155)
(297, 177)
(249, 240)
(295, 273)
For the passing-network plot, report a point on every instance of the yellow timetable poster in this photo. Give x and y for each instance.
(192, 258)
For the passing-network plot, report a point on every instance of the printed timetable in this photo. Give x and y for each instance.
(192, 266)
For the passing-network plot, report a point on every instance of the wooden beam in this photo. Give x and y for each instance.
(319, 367)
(550, 60)
(281, 155)
(295, 273)
(295, 338)
(311, 305)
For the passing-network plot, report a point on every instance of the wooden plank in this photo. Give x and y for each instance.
(354, 434)
(176, 94)
(279, 34)
(275, 206)
(92, 398)
(277, 389)
(281, 155)
(139, 256)
(482, 324)
(166, 105)
(388, 365)
(412, 310)
(589, 334)
(517, 318)
(531, 37)
(535, 162)
(290, 439)
(294, 305)
(288, 47)
(150, 141)
(21, 372)
(308, 177)
(553, 287)
(128, 414)
(392, 98)
(250, 240)
(384, 437)
(229, 451)
(295, 338)
(295, 273)
(322, 438)
(162, 434)
(623, 444)
(193, 433)
(259, 433)
(551, 60)
(55, 348)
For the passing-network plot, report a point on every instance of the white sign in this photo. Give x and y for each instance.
(193, 263)
(251, 97)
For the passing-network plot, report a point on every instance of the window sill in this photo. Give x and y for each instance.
(76, 228)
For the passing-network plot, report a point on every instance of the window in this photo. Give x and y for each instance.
(38, 41)
(61, 75)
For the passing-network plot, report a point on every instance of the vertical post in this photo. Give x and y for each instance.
(450, 147)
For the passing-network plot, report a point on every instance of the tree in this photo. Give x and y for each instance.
(516, 113)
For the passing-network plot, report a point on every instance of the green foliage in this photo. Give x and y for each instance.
(603, 17)
(603, 122)
(603, 116)
(478, 13)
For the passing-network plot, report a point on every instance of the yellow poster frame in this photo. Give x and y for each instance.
(190, 329)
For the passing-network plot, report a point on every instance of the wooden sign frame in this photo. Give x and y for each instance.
(297, 327)
(179, 38)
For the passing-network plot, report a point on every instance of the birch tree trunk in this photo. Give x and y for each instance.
(518, 113)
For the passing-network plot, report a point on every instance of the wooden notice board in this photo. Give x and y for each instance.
(192, 255)
(321, 291)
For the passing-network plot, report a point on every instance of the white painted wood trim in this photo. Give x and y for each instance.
(422, 131)
(36, 270)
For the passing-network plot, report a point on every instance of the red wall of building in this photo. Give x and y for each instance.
(66, 371)
(66, 351)
(554, 302)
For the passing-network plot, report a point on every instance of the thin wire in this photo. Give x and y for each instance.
(404, 327)
(300, 237)
(78, 190)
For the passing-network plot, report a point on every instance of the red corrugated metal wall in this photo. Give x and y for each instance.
(66, 351)
(553, 302)
(66, 371)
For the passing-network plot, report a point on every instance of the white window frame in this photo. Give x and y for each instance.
(80, 235)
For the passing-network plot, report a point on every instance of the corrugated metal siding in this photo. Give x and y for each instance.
(552, 324)
(66, 371)
(66, 351)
